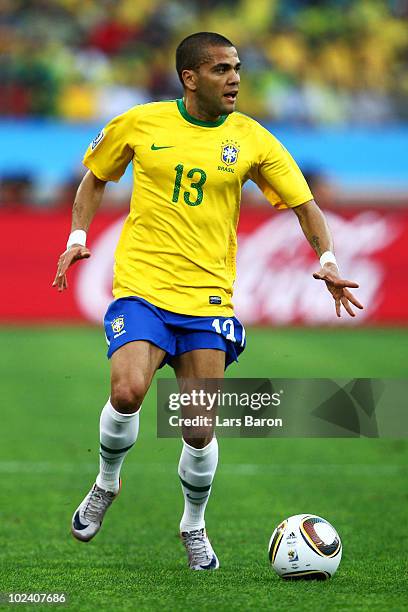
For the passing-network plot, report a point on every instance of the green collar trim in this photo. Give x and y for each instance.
(186, 115)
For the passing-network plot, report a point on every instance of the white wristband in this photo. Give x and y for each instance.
(328, 257)
(77, 237)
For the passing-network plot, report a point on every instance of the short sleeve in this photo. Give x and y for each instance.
(109, 153)
(277, 174)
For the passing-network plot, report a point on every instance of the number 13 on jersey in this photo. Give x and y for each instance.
(196, 185)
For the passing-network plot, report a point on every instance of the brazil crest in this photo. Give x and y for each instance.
(229, 153)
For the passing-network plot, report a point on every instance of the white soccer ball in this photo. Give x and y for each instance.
(305, 546)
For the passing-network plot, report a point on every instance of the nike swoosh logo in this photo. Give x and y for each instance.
(154, 148)
(196, 498)
(77, 523)
(211, 565)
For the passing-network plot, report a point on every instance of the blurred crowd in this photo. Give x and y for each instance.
(320, 62)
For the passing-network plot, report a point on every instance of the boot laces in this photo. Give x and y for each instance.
(198, 547)
(98, 502)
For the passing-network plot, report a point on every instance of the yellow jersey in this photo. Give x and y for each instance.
(178, 245)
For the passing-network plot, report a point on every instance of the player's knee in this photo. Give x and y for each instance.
(126, 396)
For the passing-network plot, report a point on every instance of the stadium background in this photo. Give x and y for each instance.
(330, 79)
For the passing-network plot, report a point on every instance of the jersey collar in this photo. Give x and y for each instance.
(186, 115)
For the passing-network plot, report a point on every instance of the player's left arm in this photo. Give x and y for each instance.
(315, 228)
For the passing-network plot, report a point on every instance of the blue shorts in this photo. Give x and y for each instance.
(133, 318)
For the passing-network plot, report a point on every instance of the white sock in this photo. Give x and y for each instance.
(118, 433)
(196, 471)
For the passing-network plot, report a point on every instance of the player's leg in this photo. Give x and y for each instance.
(132, 368)
(199, 458)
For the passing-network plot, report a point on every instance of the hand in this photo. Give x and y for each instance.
(68, 257)
(338, 288)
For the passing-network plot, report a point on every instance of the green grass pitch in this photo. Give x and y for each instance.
(53, 385)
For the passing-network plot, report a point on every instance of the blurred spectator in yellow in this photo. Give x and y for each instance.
(328, 61)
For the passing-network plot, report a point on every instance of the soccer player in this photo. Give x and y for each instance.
(175, 260)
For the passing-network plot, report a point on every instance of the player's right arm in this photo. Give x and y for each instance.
(87, 202)
(106, 158)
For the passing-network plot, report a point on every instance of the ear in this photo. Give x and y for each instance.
(189, 79)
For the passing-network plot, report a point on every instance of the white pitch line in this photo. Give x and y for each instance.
(240, 469)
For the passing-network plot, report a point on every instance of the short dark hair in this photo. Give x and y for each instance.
(193, 50)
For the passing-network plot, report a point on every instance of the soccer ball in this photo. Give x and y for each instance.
(305, 546)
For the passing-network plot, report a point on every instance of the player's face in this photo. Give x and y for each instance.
(217, 81)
